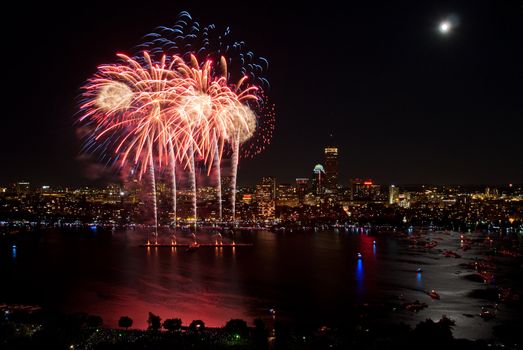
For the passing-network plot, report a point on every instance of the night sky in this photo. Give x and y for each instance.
(404, 103)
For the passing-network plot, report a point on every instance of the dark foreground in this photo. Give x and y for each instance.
(34, 329)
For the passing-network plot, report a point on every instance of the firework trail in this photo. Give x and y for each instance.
(191, 96)
(153, 195)
(192, 169)
(129, 106)
(235, 156)
(234, 62)
(173, 179)
(216, 115)
(217, 166)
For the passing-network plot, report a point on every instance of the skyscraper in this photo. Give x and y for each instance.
(318, 179)
(302, 186)
(265, 198)
(286, 195)
(331, 169)
(393, 194)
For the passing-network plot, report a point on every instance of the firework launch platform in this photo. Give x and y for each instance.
(200, 245)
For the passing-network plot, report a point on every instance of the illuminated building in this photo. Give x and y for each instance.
(286, 195)
(207, 194)
(226, 197)
(302, 187)
(420, 205)
(162, 188)
(265, 198)
(331, 169)
(112, 194)
(22, 188)
(311, 199)
(226, 184)
(132, 191)
(318, 178)
(247, 198)
(393, 194)
(491, 193)
(404, 200)
(364, 190)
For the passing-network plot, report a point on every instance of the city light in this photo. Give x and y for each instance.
(134, 215)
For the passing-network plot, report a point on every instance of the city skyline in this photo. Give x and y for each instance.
(112, 176)
(411, 106)
(262, 175)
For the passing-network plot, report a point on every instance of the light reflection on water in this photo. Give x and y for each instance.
(419, 283)
(359, 276)
(305, 276)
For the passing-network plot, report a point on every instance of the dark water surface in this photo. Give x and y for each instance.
(310, 277)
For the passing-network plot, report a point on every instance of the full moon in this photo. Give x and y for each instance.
(444, 27)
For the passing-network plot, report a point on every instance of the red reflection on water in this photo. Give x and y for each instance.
(208, 307)
(366, 267)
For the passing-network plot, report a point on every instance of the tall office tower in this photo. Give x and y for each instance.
(354, 185)
(265, 198)
(318, 179)
(331, 169)
(393, 194)
(302, 187)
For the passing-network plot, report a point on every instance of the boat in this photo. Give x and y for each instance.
(359, 255)
(487, 314)
(419, 270)
(433, 294)
(451, 254)
(507, 295)
(507, 252)
(431, 244)
(415, 306)
(482, 265)
(465, 247)
(193, 247)
(488, 277)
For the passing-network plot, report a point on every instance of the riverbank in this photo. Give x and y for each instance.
(33, 328)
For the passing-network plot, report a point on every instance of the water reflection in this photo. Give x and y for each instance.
(305, 275)
(218, 252)
(419, 282)
(359, 276)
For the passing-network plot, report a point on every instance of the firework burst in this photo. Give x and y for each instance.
(188, 39)
(189, 96)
